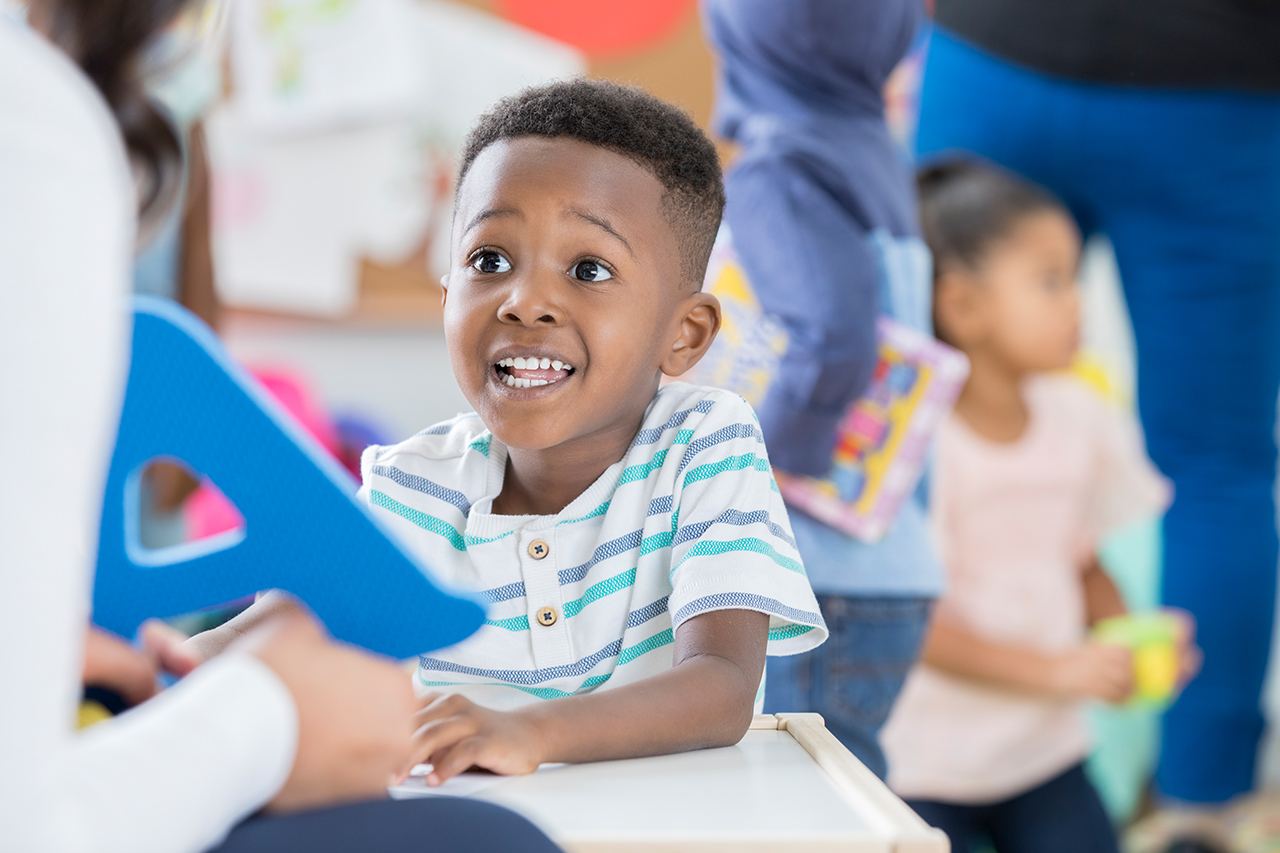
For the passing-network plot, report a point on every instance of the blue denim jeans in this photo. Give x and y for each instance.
(854, 677)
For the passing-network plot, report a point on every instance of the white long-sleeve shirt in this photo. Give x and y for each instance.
(176, 773)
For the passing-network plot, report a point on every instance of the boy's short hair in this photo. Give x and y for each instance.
(635, 124)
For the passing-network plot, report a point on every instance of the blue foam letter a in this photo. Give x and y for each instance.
(304, 530)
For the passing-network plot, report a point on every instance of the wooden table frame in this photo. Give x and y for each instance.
(858, 785)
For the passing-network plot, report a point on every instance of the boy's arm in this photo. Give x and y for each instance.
(268, 604)
(1089, 670)
(1102, 599)
(704, 700)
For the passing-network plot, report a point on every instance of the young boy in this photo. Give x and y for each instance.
(631, 542)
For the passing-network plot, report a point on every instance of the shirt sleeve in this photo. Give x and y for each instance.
(1128, 486)
(175, 774)
(815, 272)
(733, 547)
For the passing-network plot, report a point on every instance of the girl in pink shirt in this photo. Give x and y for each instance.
(1032, 469)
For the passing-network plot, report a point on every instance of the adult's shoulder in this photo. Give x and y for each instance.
(51, 108)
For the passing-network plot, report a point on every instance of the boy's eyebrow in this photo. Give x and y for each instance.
(490, 213)
(603, 225)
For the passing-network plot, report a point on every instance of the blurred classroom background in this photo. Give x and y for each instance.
(332, 158)
(332, 149)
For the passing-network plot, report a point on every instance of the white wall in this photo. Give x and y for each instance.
(398, 377)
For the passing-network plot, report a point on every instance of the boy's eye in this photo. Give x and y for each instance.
(491, 262)
(590, 271)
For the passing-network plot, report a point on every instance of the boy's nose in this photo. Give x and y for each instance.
(531, 301)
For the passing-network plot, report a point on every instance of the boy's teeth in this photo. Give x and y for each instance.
(520, 362)
(534, 363)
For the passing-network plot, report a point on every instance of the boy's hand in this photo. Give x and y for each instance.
(1095, 671)
(454, 733)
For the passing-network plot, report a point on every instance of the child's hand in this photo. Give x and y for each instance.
(454, 733)
(1095, 671)
(1189, 654)
(111, 662)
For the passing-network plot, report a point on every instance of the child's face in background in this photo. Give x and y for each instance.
(1026, 304)
(561, 254)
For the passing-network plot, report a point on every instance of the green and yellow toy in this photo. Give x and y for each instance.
(1153, 639)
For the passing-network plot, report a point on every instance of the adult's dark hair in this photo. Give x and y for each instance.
(106, 38)
(660, 137)
(967, 204)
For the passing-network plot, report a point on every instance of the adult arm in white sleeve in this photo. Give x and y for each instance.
(175, 774)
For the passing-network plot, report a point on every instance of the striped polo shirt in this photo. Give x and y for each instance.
(688, 521)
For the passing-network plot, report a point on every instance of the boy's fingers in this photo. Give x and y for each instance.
(452, 761)
(426, 699)
(441, 706)
(435, 711)
(438, 735)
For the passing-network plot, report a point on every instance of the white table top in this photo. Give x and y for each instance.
(766, 793)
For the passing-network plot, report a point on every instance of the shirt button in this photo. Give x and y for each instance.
(547, 616)
(538, 550)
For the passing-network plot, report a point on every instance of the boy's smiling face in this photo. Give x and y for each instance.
(562, 256)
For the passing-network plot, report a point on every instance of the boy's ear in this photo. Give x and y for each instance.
(699, 321)
(958, 307)
(444, 289)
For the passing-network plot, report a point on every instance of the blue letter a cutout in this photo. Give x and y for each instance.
(304, 531)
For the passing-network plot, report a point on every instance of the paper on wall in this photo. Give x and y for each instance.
(469, 61)
(295, 211)
(293, 215)
(303, 64)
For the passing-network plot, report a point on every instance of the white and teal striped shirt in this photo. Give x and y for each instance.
(688, 521)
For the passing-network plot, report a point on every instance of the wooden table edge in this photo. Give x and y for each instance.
(858, 785)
